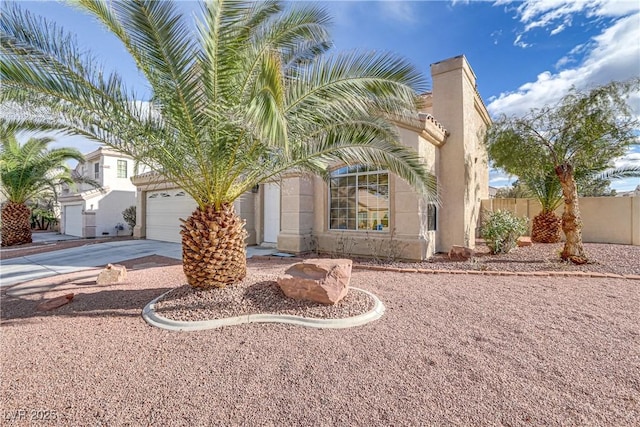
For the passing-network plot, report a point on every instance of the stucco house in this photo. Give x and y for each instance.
(87, 211)
(361, 207)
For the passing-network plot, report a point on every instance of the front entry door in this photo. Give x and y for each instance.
(271, 212)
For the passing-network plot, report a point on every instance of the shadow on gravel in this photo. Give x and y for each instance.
(107, 303)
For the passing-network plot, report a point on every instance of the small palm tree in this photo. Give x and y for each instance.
(27, 171)
(546, 226)
(248, 93)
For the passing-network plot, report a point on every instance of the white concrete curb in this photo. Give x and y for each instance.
(154, 319)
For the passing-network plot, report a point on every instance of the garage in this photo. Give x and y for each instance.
(164, 210)
(73, 220)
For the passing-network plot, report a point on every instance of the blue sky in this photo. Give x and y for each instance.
(525, 54)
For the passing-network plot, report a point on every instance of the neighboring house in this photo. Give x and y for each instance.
(493, 191)
(87, 211)
(631, 193)
(362, 209)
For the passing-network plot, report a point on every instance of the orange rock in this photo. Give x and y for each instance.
(460, 252)
(55, 303)
(524, 241)
(320, 280)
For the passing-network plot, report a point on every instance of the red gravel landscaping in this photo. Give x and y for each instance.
(451, 349)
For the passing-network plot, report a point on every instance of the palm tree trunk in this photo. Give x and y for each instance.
(213, 248)
(571, 221)
(546, 228)
(16, 224)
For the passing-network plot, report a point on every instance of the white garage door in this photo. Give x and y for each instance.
(164, 210)
(73, 220)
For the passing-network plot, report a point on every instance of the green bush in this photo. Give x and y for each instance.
(501, 230)
(129, 216)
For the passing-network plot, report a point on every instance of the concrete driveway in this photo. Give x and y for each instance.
(23, 269)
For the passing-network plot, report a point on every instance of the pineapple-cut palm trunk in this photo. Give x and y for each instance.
(546, 228)
(16, 224)
(213, 248)
(571, 222)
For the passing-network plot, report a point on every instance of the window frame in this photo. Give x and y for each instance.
(125, 170)
(357, 175)
(96, 170)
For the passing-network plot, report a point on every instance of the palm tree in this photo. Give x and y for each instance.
(250, 92)
(577, 137)
(27, 171)
(547, 225)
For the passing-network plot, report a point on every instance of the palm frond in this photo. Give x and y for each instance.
(619, 173)
(250, 92)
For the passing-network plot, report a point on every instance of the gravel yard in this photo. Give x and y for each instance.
(451, 349)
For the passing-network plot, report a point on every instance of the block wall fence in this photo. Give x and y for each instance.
(605, 219)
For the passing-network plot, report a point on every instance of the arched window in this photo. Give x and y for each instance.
(359, 199)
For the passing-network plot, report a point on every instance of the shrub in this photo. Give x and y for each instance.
(501, 230)
(129, 216)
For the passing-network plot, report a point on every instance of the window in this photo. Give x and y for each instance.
(96, 170)
(359, 199)
(431, 216)
(122, 169)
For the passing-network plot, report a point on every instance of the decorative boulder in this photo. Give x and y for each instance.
(320, 280)
(524, 241)
(55, 303)
(113, 273)
(461, 252)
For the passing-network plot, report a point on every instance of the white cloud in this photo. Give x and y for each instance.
(498, 178)
(542, 13)
(631, 159)
(399, 11)
(558, 14)
(518, 42)
(614, 54)
(558, 29)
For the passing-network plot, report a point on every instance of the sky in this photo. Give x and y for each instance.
(525, 54)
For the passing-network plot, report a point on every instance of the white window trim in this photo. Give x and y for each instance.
(126, 169)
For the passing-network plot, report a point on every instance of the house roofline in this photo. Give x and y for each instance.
(84, 195)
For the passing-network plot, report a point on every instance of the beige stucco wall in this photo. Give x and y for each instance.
(605, 219)
(305, 227)
(458, 160)
(463, 171)
(297, 210)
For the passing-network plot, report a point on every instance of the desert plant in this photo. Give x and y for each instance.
(311, 242)
(375, 247)
(344, 245)
(395, 248)
(129, 216)
(384, 249)
(501, 230)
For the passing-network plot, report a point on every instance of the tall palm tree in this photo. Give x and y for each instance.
(26, 171)
(249, 92)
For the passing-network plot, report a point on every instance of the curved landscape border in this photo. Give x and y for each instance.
(151, 317)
